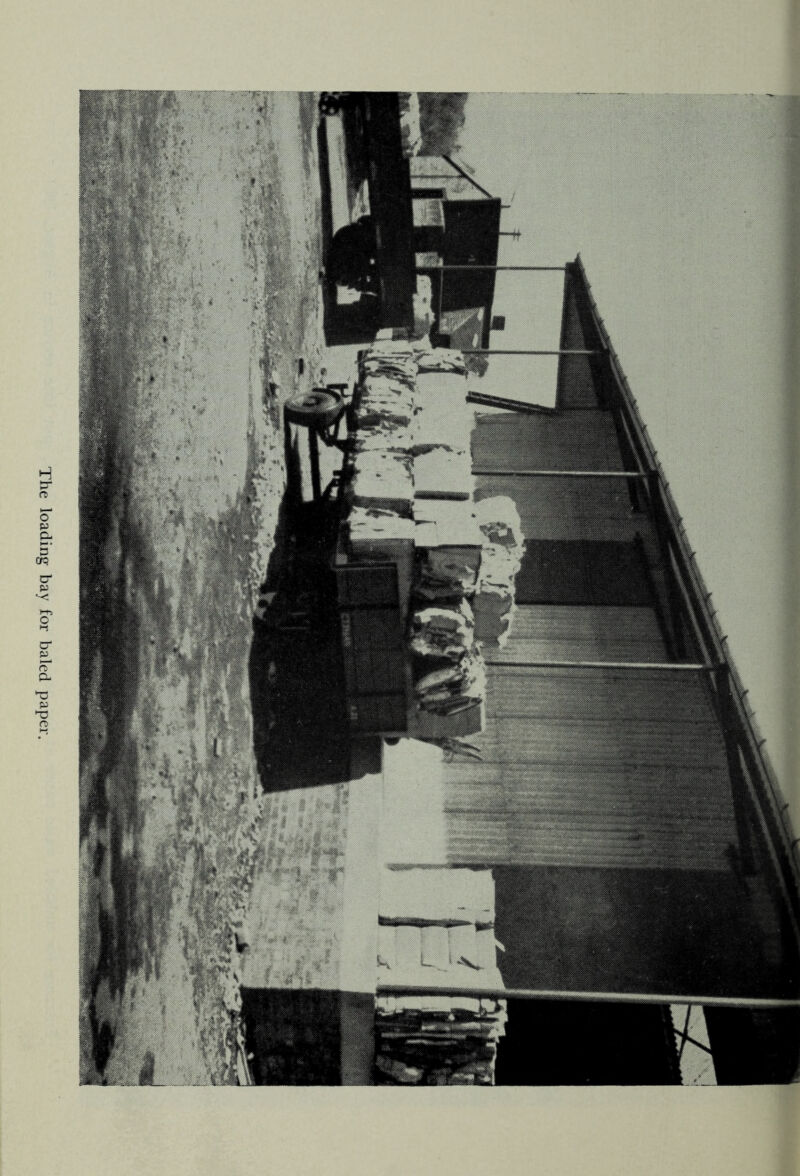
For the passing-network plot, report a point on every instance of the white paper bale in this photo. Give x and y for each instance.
(394, 360)
(443, 473)
(384, 435)
(498, 519)
(384, 401)
(455, 687)
(499, 565)
(382, 481)
(452, 521)
(441, 359)
(369, 525)
(449, 569)
(442, 632)
(442, 416)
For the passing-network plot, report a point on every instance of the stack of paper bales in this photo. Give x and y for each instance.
(448, 544)
(409, 494)
(436, 929)
(380, 488)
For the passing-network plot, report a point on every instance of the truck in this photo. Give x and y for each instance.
(415, 571)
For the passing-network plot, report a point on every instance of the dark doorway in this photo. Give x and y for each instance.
(578, 571)
(577, 1043)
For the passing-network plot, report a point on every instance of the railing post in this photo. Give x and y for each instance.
(727, 718)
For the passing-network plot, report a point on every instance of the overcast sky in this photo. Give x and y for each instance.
(679, 207)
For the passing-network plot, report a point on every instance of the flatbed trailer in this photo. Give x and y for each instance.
(372, 595)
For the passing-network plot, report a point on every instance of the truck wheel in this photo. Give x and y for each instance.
(330, 102)
(314, 409)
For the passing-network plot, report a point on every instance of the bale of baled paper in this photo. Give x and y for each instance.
(499, 565)
(447, 573)
(451, 688)
(382, 481)
(442, 632)
(498, 519)
(447, 523)
(448, 545)
(384, 401)
(394, 360)
(440, 359)
(386, 435)
(442, 415)
(443, 472)
(375, 526)
(493, 602)
(493, 610)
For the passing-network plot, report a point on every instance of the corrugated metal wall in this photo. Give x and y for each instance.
(572, 441)
(557, 507)
(594, 768)
(568, 508)
(582, 633)
(602, 768)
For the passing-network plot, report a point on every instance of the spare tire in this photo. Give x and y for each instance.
(314, 409)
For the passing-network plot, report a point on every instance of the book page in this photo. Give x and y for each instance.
(50, 1121)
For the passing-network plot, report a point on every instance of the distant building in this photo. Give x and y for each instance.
(404, 216)
(456, 222)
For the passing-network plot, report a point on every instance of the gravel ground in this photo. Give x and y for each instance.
(200, 251)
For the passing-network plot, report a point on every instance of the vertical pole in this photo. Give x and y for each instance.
(662, 534)
(313, 454)
(722, 678)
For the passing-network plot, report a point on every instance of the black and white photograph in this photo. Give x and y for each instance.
(435, 675)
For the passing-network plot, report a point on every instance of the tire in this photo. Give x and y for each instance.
(330, 102)
(314, 409)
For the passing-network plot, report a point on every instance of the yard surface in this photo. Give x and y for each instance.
(200, 252)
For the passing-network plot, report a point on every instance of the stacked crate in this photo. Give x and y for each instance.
(436, 929)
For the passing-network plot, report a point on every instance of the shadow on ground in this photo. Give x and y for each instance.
(309, 1037)
(300, 729)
